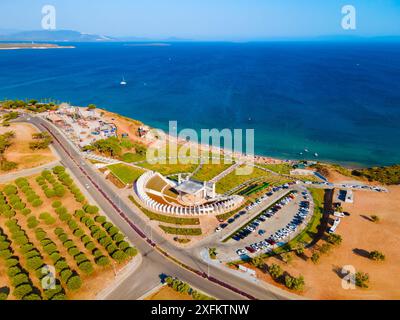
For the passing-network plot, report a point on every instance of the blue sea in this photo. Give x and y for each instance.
(340, 100)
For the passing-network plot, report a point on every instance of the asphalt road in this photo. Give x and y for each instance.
(137, 230)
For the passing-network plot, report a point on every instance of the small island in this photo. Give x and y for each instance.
(19, 46)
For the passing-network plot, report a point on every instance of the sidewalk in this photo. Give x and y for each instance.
(27, 172)
(121, 276)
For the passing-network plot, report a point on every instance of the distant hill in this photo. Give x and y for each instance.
(56, 35)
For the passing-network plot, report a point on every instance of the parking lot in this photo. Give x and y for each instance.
(273, 227)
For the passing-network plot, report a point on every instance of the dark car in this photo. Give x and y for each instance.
(223, 225)
(231, 220)
(250, 249)
(237, 216)
(242, 212)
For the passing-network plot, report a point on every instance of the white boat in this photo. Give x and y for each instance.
(123, 82)
(316, 154)
(306, 150)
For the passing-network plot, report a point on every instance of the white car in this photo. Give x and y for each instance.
(241, 252)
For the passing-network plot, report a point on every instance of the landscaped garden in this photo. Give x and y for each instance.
(54, 244)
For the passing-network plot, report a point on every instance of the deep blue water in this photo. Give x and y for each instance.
(340, 100)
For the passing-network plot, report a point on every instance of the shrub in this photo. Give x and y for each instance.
(19, 279)
(73, 251)
(10, 190)
(26, 211)
(59, 296)
(13, 271)
(56, 204)
(376, 255)
(32, 222)
(50, 293)
(118, 237)
(362, 279)
(63, 237)
(294, 283)
(34, 263)
(91, 209)
(334, 239)
(123, 245)
(32, 296)
(74, 282)
(119, 256)
(86, 267)
(325, 248)
(58, 170)
(55, 256)
(79, 233)
(68, 244)
(315, 257)
(375, 218)
(3, 295)
(112, 231)
(32, 253)
(90, 245)
(275, 271)
(4, 245)
(131, 251)
(58, 231)
(22, 291)
(100, 219)
(50, 193)
(102, 261)
(5, 254)
(65, 275)
(36, 203)
(61, 265)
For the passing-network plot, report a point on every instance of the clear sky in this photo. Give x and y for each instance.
(207, 19)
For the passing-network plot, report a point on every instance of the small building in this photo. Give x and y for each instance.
(349, 196)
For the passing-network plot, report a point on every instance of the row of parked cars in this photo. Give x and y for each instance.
(256, 203)
(255, 224)
(281, 234)
(293, 225)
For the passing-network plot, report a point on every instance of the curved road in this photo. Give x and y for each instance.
(154, 263)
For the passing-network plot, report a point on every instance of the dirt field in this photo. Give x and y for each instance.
(166, 293)
(322, 281)
(20, 152)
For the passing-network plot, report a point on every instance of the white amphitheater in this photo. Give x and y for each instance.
(160, 194)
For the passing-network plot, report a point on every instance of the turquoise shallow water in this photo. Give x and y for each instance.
(340, 100)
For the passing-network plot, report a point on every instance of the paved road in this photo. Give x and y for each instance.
(154, 262)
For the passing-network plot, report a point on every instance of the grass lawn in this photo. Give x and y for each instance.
(232, 180)
(167, 169)
(166, 219)
(181, 231)
(209, 171)
(282, 168)
(125, 173)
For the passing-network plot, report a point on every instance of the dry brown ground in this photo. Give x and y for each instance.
(92, 284)
(20, 152)
(322, 282)
(166, 293)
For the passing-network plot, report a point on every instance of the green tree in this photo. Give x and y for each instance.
(376, 255)
(362, 279)
(275, 271)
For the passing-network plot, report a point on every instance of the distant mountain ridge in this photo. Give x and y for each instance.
(56, 35)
